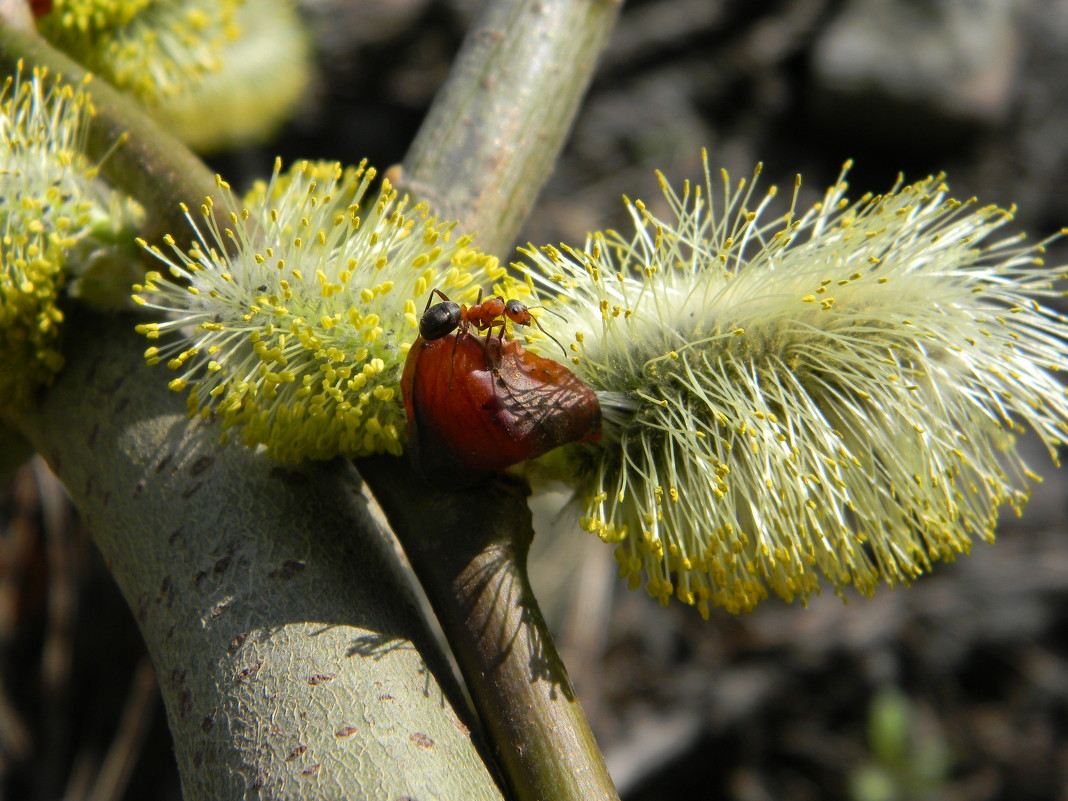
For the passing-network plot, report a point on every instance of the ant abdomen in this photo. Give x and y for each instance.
(440, 320)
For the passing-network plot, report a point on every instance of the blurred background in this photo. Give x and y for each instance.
(954, 689)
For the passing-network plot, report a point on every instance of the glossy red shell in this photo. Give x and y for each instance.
(476, 405)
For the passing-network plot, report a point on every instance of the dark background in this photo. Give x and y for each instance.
(972, 661)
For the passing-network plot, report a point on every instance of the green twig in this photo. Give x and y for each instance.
(137, 155)
(496, 128)
(469, 550)
(484, 151)
(292, 661)
(486, 148)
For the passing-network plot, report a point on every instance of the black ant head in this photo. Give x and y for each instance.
(440, 320)
(520, 315)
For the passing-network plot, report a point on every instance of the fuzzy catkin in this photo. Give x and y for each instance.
(296, 336)
(834, 394)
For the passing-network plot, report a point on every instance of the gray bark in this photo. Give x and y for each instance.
(291, 655)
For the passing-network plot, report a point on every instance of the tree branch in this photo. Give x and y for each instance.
(469, 550)
(232, 612)
(483, 153)
(496, 128)
(137, 155)
(292, 659)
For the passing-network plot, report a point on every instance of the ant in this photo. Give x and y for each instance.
(447, 316)
(511, 404)
(443, 318)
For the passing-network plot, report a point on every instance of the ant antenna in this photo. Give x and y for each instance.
(554, 339)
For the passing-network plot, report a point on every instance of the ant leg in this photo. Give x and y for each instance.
(461, 331)
(492, 361)
(500, 337)
(433, 292)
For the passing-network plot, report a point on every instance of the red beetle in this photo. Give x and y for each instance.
(478, 404)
